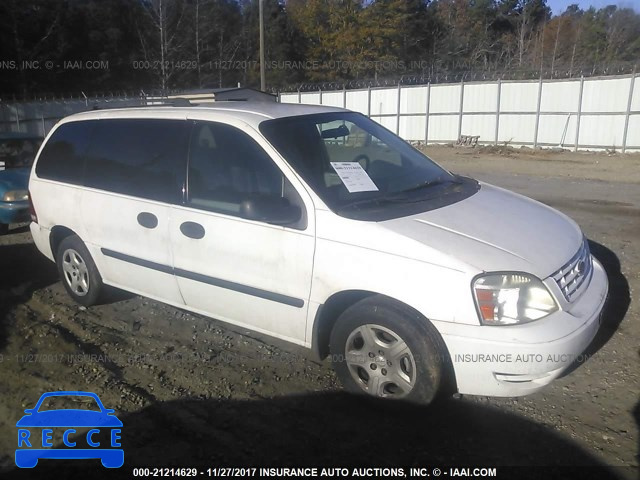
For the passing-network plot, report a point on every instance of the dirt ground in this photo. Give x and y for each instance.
(192, 391)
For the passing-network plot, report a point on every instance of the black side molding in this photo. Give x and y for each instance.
(198, 277)
(238, 287)
(137, 261)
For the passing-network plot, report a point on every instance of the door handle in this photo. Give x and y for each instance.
(192, 230)
(147, 220)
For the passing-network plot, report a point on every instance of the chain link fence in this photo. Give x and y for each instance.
(456, 76)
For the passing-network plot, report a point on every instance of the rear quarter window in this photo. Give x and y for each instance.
(62, 158)
(139, 157)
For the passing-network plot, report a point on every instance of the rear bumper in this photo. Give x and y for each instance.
(505, 369)
(14, 212)
(40, 237)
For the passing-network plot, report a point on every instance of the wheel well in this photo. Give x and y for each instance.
(327, 315)
(330, 311)
(58, 233)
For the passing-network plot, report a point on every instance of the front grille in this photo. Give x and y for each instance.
(575, 272)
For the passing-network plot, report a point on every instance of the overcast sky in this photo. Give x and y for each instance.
(559, 6)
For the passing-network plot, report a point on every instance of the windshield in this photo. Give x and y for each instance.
(63, 402)
(353, 163)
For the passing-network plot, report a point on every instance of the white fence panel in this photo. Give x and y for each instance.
(635, 104)
(519, 97)
(358, 101)
(445, 98)
(311, 98)
(414, 100)
(483, 125)
(606, 95)
(387, 122)
(516, 129)
(557, 130)
(413, 127)
(443, 128)
(633, 132)
(480, 97)
(384, 101)
(601, 130)
(288, 98)
(333, 99)
(561, 96)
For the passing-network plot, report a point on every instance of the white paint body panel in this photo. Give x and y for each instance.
(116, 228)
(267, 257)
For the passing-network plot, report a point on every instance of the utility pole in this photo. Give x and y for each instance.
(263, 80)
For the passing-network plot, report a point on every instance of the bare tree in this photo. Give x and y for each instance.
(198, 46)
(555, 45)
(166, 17)
(573, 51)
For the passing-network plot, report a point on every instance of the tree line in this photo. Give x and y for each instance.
(131, 45)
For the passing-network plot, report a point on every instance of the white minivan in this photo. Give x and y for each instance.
(318, 226)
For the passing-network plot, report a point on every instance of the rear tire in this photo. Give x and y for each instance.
(78, 272)
(383, 348)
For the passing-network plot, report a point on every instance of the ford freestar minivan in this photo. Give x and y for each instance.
(318, 226)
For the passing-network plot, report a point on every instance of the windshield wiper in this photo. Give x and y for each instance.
(401, 196)
(374, 200)
(404, 195)
(431, 183)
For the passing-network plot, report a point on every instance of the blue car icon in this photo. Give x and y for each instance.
(36, 433)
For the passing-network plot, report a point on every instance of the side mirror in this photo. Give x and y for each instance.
(275, 210)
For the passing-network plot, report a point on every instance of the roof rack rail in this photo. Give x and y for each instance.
(148, 103)
(191, 98)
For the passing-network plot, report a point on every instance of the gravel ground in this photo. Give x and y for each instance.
(194, 391)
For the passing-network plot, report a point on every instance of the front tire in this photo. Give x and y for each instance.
(385, 349)
(78, 271)
(4, 228)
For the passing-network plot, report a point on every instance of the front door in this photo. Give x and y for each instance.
(245, 271)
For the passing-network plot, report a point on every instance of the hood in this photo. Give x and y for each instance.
(14, 179)
(496, 230)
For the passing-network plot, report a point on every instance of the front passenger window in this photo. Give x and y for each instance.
(230, 173)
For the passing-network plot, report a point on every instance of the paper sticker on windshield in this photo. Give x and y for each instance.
(354, 177)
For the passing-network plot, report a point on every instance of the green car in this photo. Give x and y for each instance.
(17, 151)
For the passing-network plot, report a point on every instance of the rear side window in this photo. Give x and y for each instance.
(139, 157)
(62, 158)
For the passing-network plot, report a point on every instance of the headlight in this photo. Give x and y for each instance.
(512, 298)
(15, 196)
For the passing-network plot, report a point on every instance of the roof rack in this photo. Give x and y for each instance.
(195, 98)
(149, 103)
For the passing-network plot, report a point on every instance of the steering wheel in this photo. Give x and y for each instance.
(364, 157)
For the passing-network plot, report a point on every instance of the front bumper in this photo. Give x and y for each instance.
(512, 366)
(14, 212)
(110, 458)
